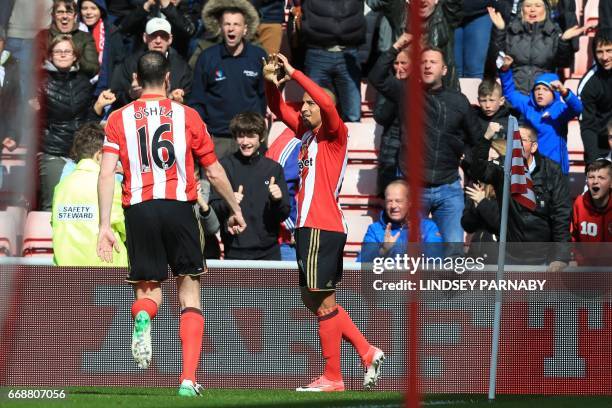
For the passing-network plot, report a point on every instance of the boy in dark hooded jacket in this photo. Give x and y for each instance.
(548, 108)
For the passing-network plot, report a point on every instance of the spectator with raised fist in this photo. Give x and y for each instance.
(548, 108)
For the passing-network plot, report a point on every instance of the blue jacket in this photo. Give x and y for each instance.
(550, 121)
(376, 235)
(224, 86)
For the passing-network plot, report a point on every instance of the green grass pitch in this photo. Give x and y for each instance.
(114, 397)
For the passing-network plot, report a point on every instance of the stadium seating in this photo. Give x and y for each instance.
(469, 87)
(359, 186)
(358, 222)
(583, 58)
(8, 234)
(591, 12)
(572, 84)
(37, 236)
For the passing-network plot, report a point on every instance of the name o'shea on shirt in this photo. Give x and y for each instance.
(152, 111)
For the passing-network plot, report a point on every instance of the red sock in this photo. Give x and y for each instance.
(146, 304)
(352, 334)
(191, 331)
(331, 337)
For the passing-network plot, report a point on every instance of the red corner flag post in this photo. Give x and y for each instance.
(413, 120)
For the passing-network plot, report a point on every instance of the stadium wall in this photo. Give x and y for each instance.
(72, 326)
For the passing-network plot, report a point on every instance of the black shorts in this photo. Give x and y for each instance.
(161, 233)
(319, 256)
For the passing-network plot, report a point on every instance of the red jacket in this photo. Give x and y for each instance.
(590, 224)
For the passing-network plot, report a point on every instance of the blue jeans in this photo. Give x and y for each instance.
(23, 51)
(287, 252)
(341, 73)
(446, 204)
(471, 46)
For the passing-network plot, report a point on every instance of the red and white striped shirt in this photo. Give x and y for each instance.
(156, 140)
(322, 158)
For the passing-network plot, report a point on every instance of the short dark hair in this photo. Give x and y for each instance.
(88, 140)
(152, 68)
(436, 49)
(531, 129)
(69, 4)
(61, 38)
(231, 10)
(487, 87)
(599, 164)
(248, 122)
(603, 37)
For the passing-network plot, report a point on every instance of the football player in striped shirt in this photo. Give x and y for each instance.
(156, 140)
(320, 232)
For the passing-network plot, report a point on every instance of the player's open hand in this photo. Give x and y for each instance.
(106, 243)
(236, 224)
(239, 195)
(273, 70)
(284, 63)
(275, 192)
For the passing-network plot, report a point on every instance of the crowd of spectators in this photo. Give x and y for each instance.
(84, 54)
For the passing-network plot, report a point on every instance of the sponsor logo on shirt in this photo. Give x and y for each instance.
(251, 74)
(219, 76)
(77, 212)
(305, 163)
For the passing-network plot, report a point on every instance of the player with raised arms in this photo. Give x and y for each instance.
(156, 140)
(320, 232)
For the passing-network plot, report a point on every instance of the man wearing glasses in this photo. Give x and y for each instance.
(64, 22)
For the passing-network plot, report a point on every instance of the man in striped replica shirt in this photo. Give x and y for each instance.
(156, 140)
(320, 232)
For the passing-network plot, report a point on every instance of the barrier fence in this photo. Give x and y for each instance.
(72, 326)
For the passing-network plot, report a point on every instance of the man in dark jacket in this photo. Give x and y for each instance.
(181, 18)
(451, 128)
(260, 189)
(64, 22)
(550, 220)
(331, 32)
(595, 90)
(10, 97)
(157, 37)
(227, 78)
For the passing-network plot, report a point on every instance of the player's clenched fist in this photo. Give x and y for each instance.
(275, 192)
(238, 194)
